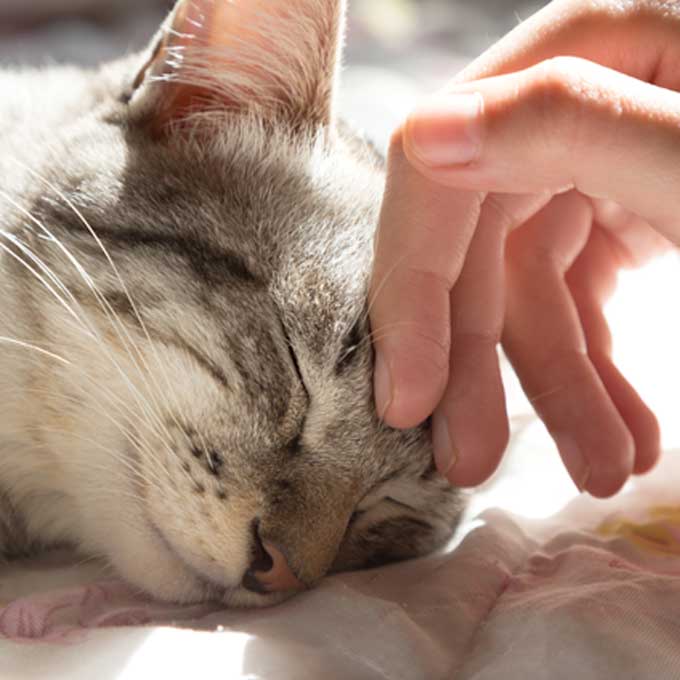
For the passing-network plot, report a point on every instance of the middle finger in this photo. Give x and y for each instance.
(545, 342)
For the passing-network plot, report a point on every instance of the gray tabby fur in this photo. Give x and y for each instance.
(183, 324)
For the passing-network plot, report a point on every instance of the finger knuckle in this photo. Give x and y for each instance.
(562, 72)
(559, 85)
(534, 255)
(553, 94)
(575, 106)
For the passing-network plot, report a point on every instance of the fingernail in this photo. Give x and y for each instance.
(447, 130)
(574, 460)
(445, 455)
(383, 385)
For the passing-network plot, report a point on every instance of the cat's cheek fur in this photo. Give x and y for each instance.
(144, 501)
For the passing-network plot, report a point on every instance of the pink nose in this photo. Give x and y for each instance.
(269, 571)
(280, 578)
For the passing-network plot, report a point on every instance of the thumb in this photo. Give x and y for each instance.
(566, 123)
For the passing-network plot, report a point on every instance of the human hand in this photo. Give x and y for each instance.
(566, 136)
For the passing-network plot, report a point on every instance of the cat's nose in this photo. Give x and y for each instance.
(269, 571)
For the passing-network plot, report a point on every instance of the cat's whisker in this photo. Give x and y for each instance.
(98, 560)
(111, 398)
(86, 560)
(111, 472)
(88, 280)
(48, 272)
(39, 277)
(98, 392)
(34, 348)
(81, 325)
(153, 408)
(28, 214)
(385, 331)
(133, 438)
(40, 263)
(90, 332)
(382, 284)
(159, 364)
(27, 345)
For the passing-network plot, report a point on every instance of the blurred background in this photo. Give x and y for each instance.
(397, 49)
(379, 27)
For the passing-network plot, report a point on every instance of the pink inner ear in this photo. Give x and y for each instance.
(189, 30)
(258, 55)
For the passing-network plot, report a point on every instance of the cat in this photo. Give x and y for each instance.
(187, 241)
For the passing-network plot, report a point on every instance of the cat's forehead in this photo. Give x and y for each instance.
(300, 213)
(291, 220)
(312, 198)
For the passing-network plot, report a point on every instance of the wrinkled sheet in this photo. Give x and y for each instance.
(591, 593)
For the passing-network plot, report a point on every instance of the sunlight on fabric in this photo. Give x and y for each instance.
(168, 653)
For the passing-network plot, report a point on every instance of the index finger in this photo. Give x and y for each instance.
(424, 234)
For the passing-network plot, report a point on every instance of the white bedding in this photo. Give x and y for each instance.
(592, 593)
(531, 590)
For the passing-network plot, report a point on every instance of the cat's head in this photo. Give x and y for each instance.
(226, 369)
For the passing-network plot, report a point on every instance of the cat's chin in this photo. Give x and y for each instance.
(164, 574)
(208, 590)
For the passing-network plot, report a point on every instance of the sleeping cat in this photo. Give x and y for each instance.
(186, 360)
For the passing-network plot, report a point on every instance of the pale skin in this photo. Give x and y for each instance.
(514, 197)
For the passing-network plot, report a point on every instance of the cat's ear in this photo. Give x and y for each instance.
(277, 59)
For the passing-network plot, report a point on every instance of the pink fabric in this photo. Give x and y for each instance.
(64, 616)
(592, 593)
